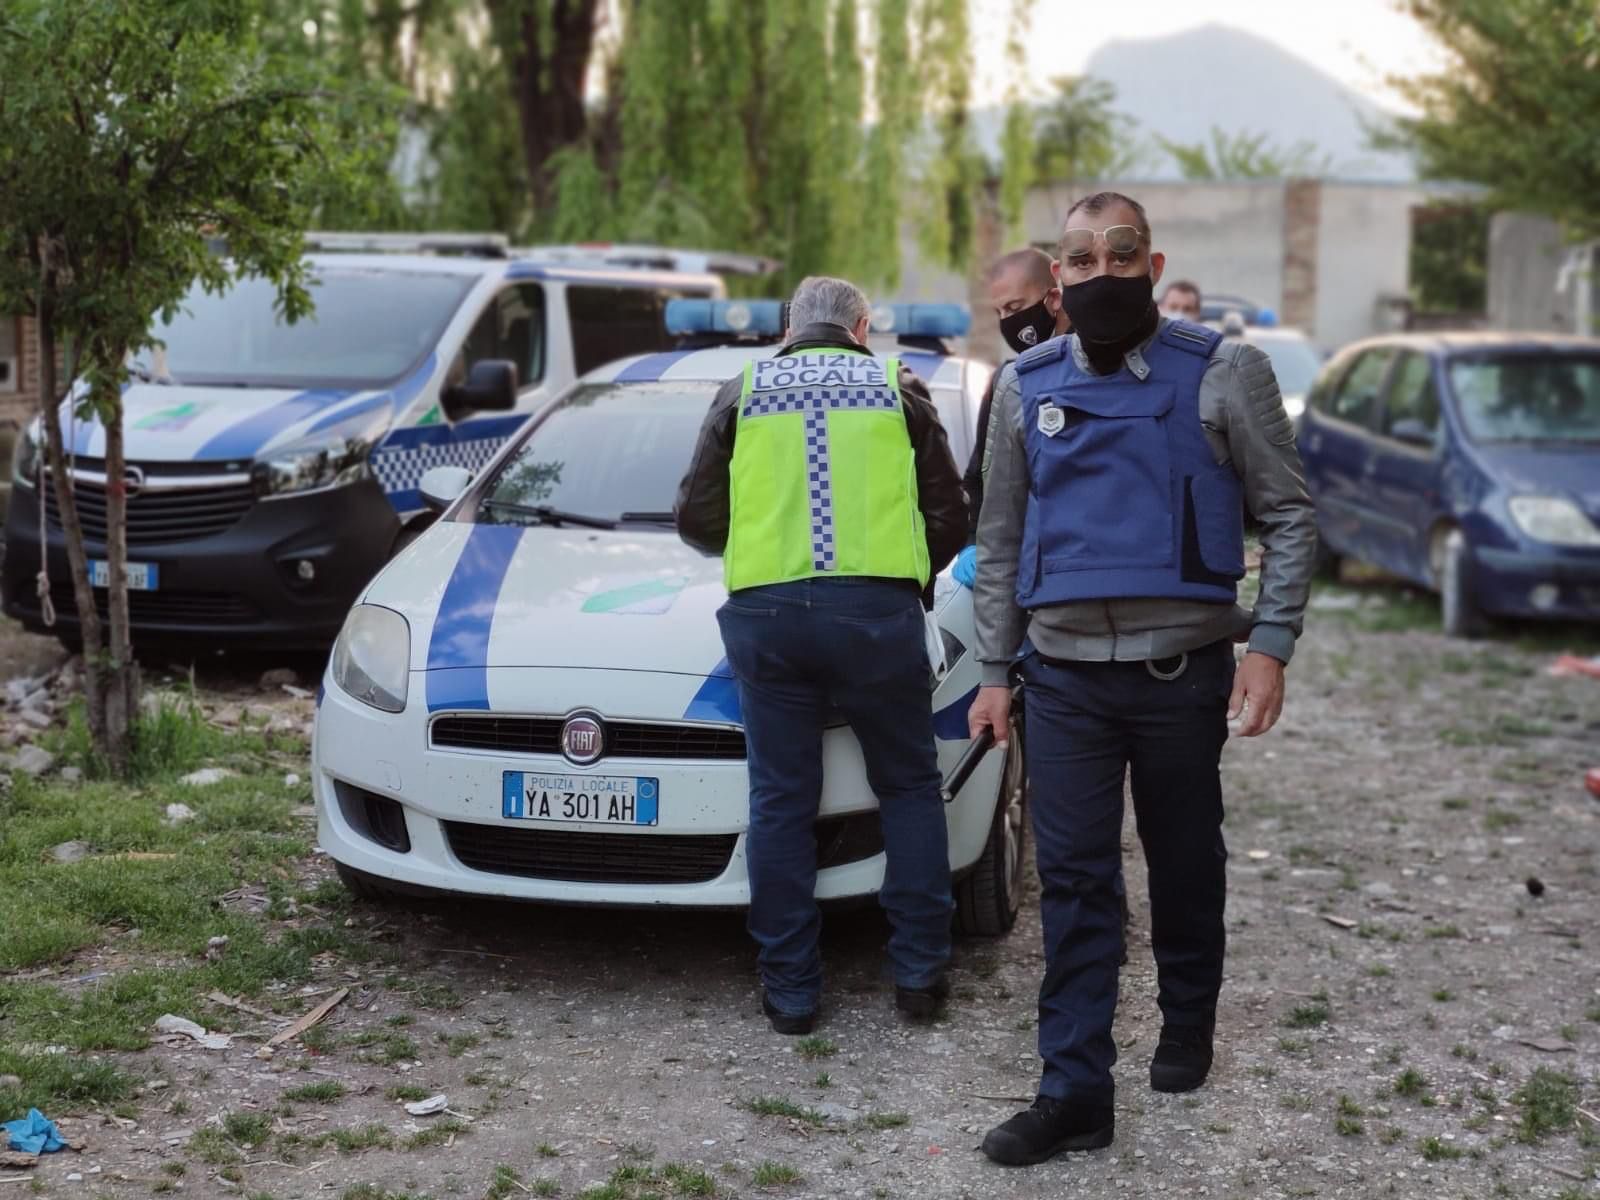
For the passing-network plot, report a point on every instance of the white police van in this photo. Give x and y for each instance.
(272, 469)
(531, 701)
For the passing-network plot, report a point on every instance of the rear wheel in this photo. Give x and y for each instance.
(988, 899)
(1452, 569)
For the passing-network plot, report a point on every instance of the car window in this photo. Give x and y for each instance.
(609, 323)
(1529, 397)
(607, 449)
(370, 328)
(1356, 398)
(511, 328)
(1411, 395)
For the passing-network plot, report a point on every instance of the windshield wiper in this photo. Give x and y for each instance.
(546, 515)
(647, 518)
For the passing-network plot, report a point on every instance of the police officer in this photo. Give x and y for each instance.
(824, 479)
(1123, 457)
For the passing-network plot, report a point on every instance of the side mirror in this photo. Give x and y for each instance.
(490, 386)
(1412, 432)
(441, 485)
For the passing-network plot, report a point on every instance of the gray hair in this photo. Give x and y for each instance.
(821, 298)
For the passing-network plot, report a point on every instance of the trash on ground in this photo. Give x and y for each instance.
(1258, 855)
(215, 947)
(34, 1134)
(1571, 664)
(1340, 922)
(1591, 780)
(176, 1028)
(1549, 1045)
(70, 852)
(428, 1107)
(177, 814)
(308, 1020)
(205, 776)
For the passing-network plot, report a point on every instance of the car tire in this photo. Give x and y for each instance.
(990, 897)
(1458, 611)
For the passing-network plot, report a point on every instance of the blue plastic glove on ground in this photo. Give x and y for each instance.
(34, 1134)
(966, 566)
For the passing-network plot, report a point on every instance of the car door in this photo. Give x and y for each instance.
(1337, 437)
(1403, 468)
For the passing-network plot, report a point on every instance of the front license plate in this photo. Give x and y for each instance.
(141, 577)
(583, 799)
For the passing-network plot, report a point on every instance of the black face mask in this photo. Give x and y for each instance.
(1107, 309)
(1026, 328)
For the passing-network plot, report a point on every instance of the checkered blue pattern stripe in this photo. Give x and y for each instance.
(815, 403)
(400, 469)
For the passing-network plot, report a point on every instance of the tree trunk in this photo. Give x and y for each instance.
(50, 402)
(546, 80)
(121, 671)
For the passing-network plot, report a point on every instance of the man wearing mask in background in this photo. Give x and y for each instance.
(1121, 460)
(1181, 300)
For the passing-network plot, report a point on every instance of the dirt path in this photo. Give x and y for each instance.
(1388, 967)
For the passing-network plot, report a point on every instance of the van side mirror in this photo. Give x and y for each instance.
(490, 386)
(1412, 432)
(441, 485)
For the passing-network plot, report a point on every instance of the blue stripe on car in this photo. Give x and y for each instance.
(650, 368)
(924, 366)
(717, 699)
(251, 434)
(950, 722)
(458, 650)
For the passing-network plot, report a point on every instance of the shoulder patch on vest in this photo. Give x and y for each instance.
(1191, 338)
(1049, 352)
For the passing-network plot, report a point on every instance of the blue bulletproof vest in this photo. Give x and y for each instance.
(1126, 500)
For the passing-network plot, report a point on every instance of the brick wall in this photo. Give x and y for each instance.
(1302, 218)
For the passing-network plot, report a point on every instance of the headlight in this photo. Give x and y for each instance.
(372, 658)
(27, 457)
(1555, 520)
(310, 466)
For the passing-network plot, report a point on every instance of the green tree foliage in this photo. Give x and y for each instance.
(131, 131)
(1518, 107)
(1449, 258)
(1017, 142)
(1079, 136)
(1244, 155)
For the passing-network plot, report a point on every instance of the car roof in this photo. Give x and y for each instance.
(715, 364)
(512, 268)
(1467, 341)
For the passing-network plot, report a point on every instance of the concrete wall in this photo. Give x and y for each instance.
(1363, 259)
(1537, 279)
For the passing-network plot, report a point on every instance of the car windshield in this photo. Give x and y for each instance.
(1529, 397)
(370, 328)
(1294, 362)
(605, 452)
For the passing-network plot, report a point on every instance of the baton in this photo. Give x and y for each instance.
(963, 770)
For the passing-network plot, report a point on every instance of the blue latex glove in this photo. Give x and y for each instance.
(34, 1134)
(966, 567)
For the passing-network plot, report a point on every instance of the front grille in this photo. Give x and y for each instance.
(156, 517)
(591, 857)
(163, 608)
(623, 739)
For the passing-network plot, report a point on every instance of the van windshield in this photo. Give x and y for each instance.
(1529, 397)
(370, 329)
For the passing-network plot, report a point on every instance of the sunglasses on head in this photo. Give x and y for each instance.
(1119, 239)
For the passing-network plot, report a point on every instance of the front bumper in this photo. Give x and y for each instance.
(1554, 584)
(239, 587)
(393, 806)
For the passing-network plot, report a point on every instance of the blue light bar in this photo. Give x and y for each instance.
(725, 316)
(922, 320)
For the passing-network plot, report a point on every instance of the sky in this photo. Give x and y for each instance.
(1358, 42)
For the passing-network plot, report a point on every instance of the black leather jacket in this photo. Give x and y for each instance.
(702, 505)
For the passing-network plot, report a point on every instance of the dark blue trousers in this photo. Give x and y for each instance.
(1088, 726)
(856, 646)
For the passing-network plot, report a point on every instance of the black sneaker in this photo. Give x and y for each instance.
(793, 1026)
(922, 1004)
(1183, 1058)
(1049, 1128)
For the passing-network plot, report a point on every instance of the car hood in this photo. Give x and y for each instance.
(1548, 470)
(482, 596)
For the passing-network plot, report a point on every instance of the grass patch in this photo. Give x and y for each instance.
(459, 1043)
(1435, 1150)
(323, 1092)
(1410, 1083)
(1348, 1126)
(1549, 1103)
(813, 1048)
(885, 1120)
(355, 1140)
(436, 1134)
(778, 1106)
(546, 1150)
(774, 1174)
(1311, 1015)
(384, 1049)
(1497, 819)
(641, 1182)
(1442, 931)
(408, 1091)
(1443, 995)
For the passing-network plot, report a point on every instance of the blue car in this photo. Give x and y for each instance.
(1467, 463)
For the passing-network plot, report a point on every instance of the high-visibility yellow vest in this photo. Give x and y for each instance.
(824, 480)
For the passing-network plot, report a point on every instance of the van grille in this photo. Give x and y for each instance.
(156, 517)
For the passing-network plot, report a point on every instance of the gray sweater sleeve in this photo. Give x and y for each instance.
(1000, 623)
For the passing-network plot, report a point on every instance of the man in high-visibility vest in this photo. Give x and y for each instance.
(824, 479)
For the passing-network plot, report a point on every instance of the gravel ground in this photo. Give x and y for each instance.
(1389, 971)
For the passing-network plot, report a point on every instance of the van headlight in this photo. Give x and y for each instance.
(1553, 519)
(28, 455)
(372, 658)
(312, 465)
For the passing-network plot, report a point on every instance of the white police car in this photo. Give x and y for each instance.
(532, 701)
(272, 469)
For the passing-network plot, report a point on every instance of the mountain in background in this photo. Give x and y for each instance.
(1182, 85)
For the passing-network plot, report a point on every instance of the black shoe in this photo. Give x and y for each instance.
(793, 1026)
(1183, 1058)
(922, 1004)
(1049, 1128)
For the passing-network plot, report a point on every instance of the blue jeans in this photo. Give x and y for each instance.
(856, 646)
(1089, 725)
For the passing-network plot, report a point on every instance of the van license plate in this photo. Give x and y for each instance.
(580, 799)
(141, 577)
